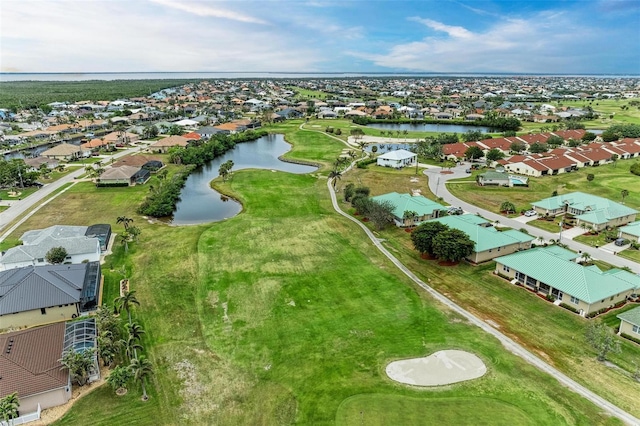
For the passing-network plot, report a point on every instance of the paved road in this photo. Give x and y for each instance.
(19, 208)
(507, 342)
(437, 184)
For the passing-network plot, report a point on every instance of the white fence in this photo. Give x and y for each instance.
(31, 417)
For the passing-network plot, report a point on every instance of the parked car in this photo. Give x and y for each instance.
(468, 171)
(620, 242)
(455, 210)
(530, 213)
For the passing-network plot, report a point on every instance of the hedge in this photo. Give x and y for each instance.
(111, 184)
(569, 308)
(633, 339)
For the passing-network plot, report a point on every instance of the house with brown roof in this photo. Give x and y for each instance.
(30, 365)
(129, 175)
(139, 161)
(164, 144)
(65, 151)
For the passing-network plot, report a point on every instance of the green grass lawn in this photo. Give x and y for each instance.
(286, 314)
(384, 409)
(630, 254)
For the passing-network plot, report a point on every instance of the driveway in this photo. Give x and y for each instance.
(571, 233)
(437, 185)
(525, 219)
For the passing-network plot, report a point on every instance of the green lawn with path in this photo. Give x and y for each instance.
(282, 313)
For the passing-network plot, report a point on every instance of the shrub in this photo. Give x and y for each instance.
(569, 308)
(111, 184)
(635, 169)
(633, 339)
(551, 298)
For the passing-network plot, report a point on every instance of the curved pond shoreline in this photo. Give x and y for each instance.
(200, 203)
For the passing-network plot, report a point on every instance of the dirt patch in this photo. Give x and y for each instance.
(447, 263)
(427, 256)
(409, 230)
(446, 172)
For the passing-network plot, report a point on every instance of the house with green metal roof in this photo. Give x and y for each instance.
(411, 210)
(489, 241)
(630, 322)
(630, 232)
(552, 272)
(595, 212)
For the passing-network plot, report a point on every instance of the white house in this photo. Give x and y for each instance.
(37, 243)
(397, 159)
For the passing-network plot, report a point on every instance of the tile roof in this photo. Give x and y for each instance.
(31, 366)
(588, 284)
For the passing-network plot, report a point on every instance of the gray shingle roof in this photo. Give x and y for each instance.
(35, 287)
(73, 246)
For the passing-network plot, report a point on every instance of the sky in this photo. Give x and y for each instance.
(374, 36)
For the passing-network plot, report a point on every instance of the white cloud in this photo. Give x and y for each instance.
(458, 32)
(201, 9)
(544, 43)
(98, 36)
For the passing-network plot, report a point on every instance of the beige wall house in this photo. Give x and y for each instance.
(30, 366)
(630, 323)
(36, 295)
(552, 271)
(65, 151)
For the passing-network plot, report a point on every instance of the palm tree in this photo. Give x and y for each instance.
(335, 175)
(124, 240)
(405, 133)
(125, 221)
(131, 347)
(586, 257)
(135, 331)
(141, 369)
(79, 364)
(126, 302)
(9, 407)
(624, 194)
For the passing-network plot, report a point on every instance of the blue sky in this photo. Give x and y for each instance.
(561, 37)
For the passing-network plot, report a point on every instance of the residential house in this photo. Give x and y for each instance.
(489, 242)
(630, 232)
(37, 243)
(30, 365)
(630, 322)
(36, 295)
(141, 161)
(125, 174)
(595, 212)
(35, 163)
(422, 208)
(397, 159)
(208, 131)
(552, 271)
(164, 144)
(66, 152)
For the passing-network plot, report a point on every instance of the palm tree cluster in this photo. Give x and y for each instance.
(120, 346)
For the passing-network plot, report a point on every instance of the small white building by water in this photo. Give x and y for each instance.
(397, 159)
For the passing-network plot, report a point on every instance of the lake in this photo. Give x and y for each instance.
(199, 203)
(425, 127)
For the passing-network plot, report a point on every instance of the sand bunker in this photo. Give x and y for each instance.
(440, 368)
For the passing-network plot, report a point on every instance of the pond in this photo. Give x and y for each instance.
(425, 127)
(199, 203)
